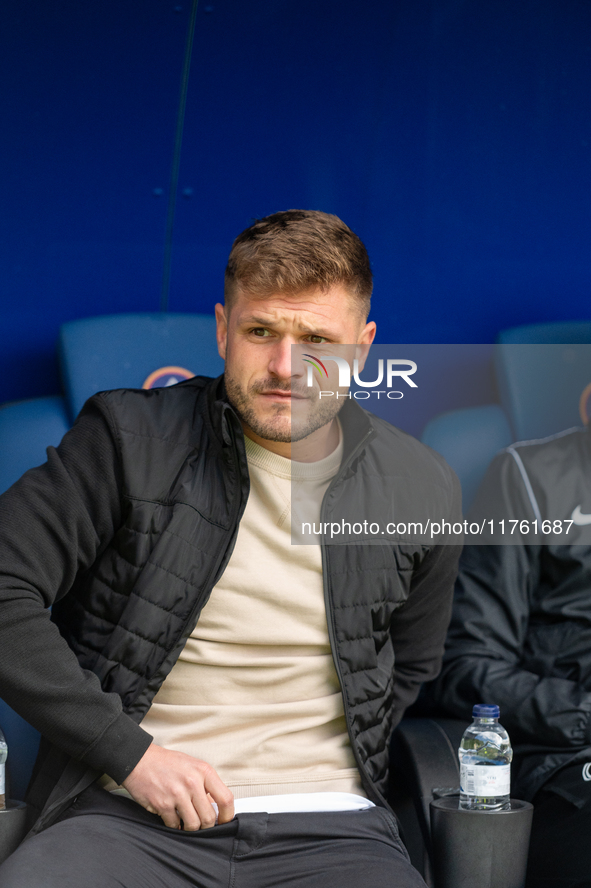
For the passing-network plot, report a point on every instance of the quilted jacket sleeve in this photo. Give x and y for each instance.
(53, 523)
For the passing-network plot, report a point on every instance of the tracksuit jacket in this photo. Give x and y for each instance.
(520, 634)
(128, 527)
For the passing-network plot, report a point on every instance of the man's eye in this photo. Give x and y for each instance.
(260, 332)
(317, 340)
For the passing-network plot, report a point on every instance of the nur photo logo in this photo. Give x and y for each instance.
(389, 372)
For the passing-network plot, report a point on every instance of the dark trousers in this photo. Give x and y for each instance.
(106, 841)
(560, 846)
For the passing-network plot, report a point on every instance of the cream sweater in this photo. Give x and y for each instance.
(255, 692)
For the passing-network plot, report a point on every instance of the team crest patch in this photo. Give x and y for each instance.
(166, 376)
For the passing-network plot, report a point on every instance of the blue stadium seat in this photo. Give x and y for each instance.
(27, 428)
(135, 351)
(468, 439)
(558, 332)
(542, 370)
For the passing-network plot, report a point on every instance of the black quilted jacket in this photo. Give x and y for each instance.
(126, 530)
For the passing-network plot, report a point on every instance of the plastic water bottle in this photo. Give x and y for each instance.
(485, 762)
(3, 757)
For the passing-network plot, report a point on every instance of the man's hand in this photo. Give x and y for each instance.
(179, 787)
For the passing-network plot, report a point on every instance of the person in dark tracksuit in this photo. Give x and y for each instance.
(520, 636)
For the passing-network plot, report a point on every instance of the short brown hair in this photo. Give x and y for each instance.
(296, 250)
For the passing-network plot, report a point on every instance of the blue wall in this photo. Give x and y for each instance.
(454, 136)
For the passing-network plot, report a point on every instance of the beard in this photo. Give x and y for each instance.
(283, 423)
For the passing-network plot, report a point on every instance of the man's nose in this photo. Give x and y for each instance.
(281, 363)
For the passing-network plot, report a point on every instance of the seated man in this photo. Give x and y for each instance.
(521, 637)
(195, 662)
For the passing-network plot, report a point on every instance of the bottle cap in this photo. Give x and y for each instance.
(485, 710)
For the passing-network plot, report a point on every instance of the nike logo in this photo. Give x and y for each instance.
(580, 517)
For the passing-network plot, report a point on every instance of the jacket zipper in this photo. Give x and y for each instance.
(223, 560)
(366, 779)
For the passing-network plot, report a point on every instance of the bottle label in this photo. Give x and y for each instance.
(2, 772)
(485, 780)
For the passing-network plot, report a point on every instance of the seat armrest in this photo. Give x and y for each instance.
(423, 758)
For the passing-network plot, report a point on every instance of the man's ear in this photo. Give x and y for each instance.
(364, 343)
(221, 329)
(368, 333)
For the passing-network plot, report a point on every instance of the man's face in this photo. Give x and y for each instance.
(255, 338)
